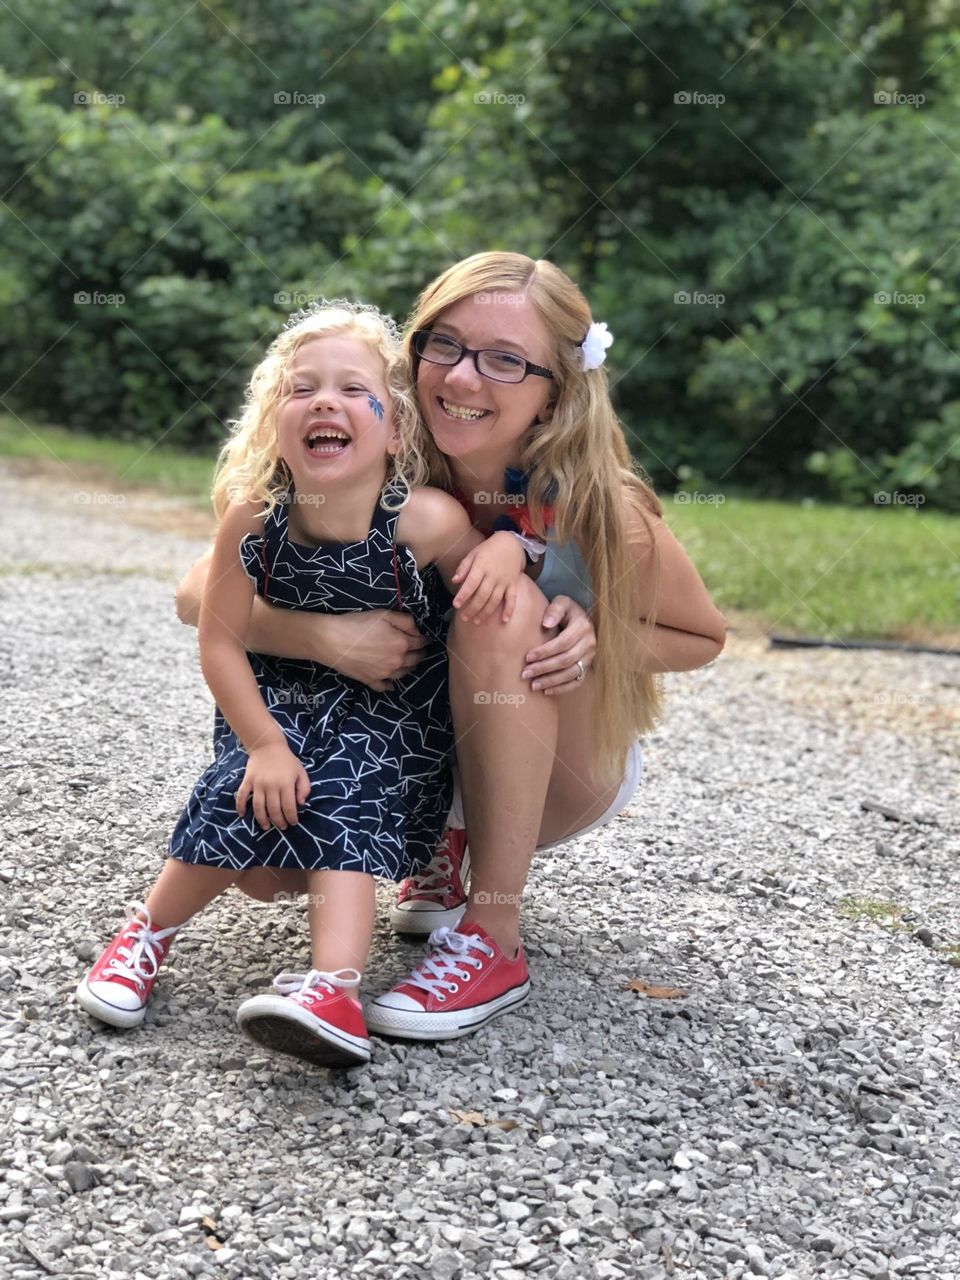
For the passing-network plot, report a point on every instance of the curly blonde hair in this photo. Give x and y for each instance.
(579, 463)
(249, 466)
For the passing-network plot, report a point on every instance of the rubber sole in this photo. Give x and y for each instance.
(419, 924)
(407, 1024)
(107, 1013)
(300, 1037)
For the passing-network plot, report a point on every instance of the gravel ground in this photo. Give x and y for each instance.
(792, 1112)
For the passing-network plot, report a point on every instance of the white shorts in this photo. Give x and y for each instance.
(630, 783)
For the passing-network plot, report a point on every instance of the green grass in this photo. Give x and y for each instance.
(798, 568)
(885, 913)
(824, 570)
(125, 463)
(888, 916)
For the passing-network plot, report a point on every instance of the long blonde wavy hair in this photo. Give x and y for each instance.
(579, 463)
(249, 467)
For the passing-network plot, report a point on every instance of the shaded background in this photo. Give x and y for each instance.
(759, 199)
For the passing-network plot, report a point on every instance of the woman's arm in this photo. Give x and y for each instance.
(374, 647)
(690, 630)
(285, 633)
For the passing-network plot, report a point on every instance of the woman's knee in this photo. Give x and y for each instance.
(496, 640)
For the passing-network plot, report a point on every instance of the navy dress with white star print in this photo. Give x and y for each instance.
(379, 763)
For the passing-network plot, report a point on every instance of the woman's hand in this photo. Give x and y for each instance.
(277, 782)
(552, 666)
(375, 647)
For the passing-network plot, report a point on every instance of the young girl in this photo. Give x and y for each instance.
(314, 771)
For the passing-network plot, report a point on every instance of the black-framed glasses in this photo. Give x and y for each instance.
(500, 366)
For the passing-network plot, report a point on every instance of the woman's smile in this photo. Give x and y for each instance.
(462, 412)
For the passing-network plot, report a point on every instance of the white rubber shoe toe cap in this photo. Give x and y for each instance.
(112, 1003)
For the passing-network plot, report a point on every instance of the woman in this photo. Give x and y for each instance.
(516, 420)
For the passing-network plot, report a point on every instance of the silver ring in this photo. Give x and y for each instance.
(581, 670)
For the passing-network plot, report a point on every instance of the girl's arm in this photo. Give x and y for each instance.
(438, 531)
(224, 620)
(481, 573)
(274, 780)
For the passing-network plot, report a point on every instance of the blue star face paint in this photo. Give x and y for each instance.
(375, 406)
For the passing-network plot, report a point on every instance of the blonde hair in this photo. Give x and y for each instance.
(579, 463)
(249, 467)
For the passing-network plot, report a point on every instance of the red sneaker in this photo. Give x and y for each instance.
(313, 1018)
(464, 982)
(435, 898)
(117, 988)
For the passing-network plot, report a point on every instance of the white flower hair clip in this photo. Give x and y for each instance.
(593, 349)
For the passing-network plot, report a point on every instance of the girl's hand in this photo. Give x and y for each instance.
(552, 666)
(489, 574)
(277, 782)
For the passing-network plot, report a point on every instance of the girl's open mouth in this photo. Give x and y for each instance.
(326, 442)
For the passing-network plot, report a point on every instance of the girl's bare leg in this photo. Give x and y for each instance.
(272, 884)
(182, 889)
(506, 743)
(342, 908)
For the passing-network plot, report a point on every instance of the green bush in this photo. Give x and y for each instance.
(740, 249)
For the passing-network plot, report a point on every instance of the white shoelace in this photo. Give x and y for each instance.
(289, 984)
(451, 950)
(435, 875)
(139, 959)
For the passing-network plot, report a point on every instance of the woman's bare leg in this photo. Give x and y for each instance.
(576, 795)
(506, 744)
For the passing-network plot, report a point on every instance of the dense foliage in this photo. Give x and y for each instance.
(756, 200)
